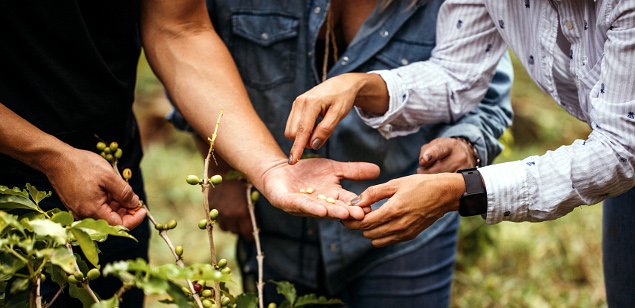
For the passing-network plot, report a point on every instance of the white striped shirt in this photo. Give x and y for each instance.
(472, 35)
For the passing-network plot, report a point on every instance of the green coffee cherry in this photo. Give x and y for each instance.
(110, 158)
(206, 293)
(71, 279)
(192, 179)
(113, 146)
(202, 224)
(255, 195)
(214, 306)
(159, 227)
(107, 151)
(213, 214)
(226, 271)
(225, 301)
(79, 275)
(272, 305)
(93, 274)
(217, 275)
(202, 282)
(42, 277)
(207, 303)
(101, 146)
(171, 224)
(217, 179)
(179, 250)
(222, 263)
(118, 153)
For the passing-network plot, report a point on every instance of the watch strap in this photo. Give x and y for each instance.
(474, 200)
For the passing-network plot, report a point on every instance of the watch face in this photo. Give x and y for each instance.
(475, 204)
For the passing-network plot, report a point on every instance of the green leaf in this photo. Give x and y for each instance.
(19, 284)
(9, 265)
(82, 295)
(63, 218)
(103, 227)
(109, 303)
(8, 220)
(247, 300)
(37, 195)
(58, 275)
(87, 245)
(59, 256)
(47, 228)
(287, 289)
(12, 202)
(16, 191)
(312, 299)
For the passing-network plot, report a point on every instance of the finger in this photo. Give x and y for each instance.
(371, 220)
(121, 192)
(299, 127)
(131, 221)
(356, 171)
(436, 152)
(373, 194)
(324, 129)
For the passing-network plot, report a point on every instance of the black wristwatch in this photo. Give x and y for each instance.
(474, 200)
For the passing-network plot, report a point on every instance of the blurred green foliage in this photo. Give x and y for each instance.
(550, 264)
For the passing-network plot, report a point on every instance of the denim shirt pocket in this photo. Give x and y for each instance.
(264, 46)
(399, 52)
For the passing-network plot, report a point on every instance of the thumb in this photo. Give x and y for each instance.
(121, 192)
(373, 194)
(356, 171)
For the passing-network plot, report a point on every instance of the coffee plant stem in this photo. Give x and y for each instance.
(259, 256)
(179, 260)
(205, 186)
(36, 297)
(84, 283)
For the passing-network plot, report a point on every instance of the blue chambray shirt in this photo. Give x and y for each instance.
(273, 44)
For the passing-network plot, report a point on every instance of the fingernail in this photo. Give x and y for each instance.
(290, 159)
(317, 143)
(356, 200)
(429, 157)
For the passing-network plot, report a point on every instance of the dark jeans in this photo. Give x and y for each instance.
(421, 278)
(618, 248)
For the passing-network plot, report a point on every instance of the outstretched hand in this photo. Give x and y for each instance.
(415, 203)
(90, 188)
(283, 182)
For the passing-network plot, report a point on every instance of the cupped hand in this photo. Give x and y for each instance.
(90, 188)
(445, 155)
(282, 184)
(415, 202)
(332, 100)
(230, 198)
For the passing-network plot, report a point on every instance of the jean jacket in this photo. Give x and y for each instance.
(273, 44)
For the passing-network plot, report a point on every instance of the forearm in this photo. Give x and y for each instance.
(25, 142)
(201, 78)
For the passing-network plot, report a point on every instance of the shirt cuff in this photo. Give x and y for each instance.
(507, 192)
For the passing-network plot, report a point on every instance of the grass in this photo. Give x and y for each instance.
(550, 264)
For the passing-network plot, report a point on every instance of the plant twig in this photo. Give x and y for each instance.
(55, 296)
(179, 260)
(205, 187)
(259, 256)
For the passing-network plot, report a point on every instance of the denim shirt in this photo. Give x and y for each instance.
(273, 44)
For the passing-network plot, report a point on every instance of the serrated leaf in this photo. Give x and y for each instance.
(37, 195)
(103, 227)
(16, 191)
(312, 299)
(87, 245)
(47, 228)
(247, 300)
(12, 202)
(287, 289)
(63, 218)
(59, 256)
(108, 303)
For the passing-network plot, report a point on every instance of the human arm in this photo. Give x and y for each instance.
(201, 78)
(85, 182)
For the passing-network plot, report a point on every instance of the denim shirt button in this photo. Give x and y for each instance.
(265, 36)
(317, 10)
(333, 247)
(404, 61)
(344, 60)
(383, 33)
(310, 54)
(310, 232)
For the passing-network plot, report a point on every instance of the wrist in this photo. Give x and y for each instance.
(472, 151)
(372, 95)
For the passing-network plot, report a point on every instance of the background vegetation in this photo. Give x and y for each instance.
(551, 264)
